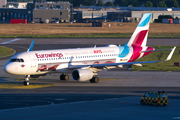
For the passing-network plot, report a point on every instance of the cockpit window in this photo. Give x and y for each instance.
(21, 60)
(13, 60)
(17, 60)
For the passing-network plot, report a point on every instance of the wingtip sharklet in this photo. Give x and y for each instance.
(171, 54)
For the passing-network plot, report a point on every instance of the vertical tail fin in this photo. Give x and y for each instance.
(139, 37)
(31, 46)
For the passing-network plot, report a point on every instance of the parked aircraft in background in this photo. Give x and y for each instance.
(84, 63)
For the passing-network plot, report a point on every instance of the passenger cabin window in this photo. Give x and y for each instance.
(16, 60)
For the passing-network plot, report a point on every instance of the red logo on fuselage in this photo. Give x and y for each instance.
(97, 51)
(22, 65)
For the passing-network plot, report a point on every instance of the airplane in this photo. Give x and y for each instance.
(84, 63)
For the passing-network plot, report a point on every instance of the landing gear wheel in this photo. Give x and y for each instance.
(64, 77)
(155, 104)
(94, 80)
(26, 83)
(142, 103)
(61, 77)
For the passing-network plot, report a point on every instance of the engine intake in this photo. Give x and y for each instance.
(82, 74)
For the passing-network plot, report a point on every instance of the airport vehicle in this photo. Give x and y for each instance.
(155, 98)
(84, 63)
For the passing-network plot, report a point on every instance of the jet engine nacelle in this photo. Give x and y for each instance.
(82, 74)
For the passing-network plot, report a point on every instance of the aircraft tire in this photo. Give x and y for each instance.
(26, 83)
(61, 77)
(64, 77)
(142, 102)
(155, 104)
(94, 80)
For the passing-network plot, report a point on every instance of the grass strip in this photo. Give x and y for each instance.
(91, 35)
(5, 51)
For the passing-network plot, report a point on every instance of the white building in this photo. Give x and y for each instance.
(3, 3)
(16, 5)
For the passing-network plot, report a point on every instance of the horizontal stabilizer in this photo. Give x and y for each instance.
(155, 50)
(170, 55)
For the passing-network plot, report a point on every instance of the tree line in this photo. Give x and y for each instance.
(133, 3)
(125, 3)
(148, 3)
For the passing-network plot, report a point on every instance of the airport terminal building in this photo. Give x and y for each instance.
(41, 11)
(52, 12)
(38, 12)
(6, 14)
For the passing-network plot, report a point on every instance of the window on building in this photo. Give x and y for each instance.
(15, 15)
(58, 6)
(29, 6)
(29, 19)
(61, 6)
(37, 6)
(29, 12)
(60, 13)
(41, 6)
(18, 15)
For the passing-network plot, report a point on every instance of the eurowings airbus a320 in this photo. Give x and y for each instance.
(83, 63)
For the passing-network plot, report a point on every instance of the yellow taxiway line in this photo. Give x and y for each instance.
(21, 86)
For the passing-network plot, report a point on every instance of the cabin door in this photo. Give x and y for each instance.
(33, 61)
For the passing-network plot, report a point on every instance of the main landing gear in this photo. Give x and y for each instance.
(94, 80)
(64, 77)
(26, 80)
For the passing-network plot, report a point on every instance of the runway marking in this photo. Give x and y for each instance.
(21, 86)
(10, 41)
(107, 79)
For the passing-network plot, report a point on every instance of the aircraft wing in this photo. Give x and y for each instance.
(122, 63)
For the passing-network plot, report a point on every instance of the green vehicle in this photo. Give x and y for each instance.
(155, 98)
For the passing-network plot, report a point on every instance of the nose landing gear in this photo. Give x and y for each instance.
(26, 80)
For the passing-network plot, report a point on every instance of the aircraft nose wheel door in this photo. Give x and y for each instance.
(33, 61)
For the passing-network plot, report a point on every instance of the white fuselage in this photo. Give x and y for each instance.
(45, 61)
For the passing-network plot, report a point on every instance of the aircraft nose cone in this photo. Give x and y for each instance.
(8, 68)
(5, 68)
